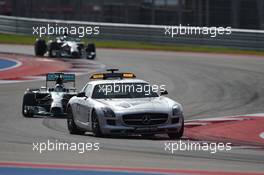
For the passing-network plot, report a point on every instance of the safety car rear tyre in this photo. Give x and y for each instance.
(72, 127)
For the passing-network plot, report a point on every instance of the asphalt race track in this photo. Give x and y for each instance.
(207, 85)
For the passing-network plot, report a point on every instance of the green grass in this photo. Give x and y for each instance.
(16, 39)
(29, 40)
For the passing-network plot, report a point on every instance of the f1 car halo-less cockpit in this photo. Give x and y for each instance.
(49, 100)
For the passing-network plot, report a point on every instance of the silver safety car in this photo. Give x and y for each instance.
(103, 110)
(49, 100)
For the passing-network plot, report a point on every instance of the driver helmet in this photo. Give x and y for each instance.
(59, 80)
(58, 88)
(65, 35)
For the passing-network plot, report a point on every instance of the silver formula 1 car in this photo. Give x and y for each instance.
(109, 104)
(49, 100)
(64, 47)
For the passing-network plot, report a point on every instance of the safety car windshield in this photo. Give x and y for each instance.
(123, 90)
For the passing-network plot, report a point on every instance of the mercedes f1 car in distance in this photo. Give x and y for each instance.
(123, 113)
(49, 100)
(64, 47)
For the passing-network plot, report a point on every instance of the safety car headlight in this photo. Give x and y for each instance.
(176, 110)
(108, 112)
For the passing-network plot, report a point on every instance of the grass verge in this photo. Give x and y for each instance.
(29, 40)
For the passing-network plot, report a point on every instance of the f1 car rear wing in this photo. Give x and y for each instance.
(65, 77)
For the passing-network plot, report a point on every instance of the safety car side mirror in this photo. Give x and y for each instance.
(81, 94)
(165, 92)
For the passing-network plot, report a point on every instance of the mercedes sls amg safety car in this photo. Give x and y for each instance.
(100, 109)
(49, 100)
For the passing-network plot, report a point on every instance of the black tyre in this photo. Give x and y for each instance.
(54, 46)
(96, 125)
(90, 48)
(28, 100)
(147, 136)
(75, 55)
(40, 47)
(179, 134)
(72, 127)
(91, 51)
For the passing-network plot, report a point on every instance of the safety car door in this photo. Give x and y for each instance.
(86, 106)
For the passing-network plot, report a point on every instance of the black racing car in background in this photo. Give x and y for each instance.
(65, 46)
(49, 100)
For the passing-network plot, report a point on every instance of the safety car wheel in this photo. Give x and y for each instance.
(96, 125)
(179, 134)
(72, 127)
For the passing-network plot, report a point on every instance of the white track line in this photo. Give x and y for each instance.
(18, 63)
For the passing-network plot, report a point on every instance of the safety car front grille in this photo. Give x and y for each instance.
(145, 119)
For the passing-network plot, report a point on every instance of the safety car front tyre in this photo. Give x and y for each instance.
(179, 134)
